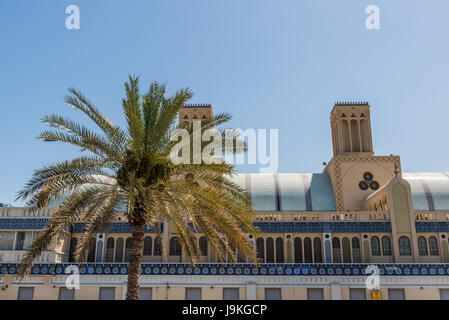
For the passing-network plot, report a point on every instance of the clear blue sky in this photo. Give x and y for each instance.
(272, 64)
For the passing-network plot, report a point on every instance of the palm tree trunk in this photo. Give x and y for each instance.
(138, 226)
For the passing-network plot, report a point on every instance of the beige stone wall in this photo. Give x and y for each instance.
(422, 294)
(260, 293)
(352, 174)
(159, 293)
(242, 293)
(46, 291)
(9, 293)
(294, 293)
(176, 293)
(212, 293)
(345, 294)
(87, 293)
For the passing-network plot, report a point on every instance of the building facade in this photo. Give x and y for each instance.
(320, 234)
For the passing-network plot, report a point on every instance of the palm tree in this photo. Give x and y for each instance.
(132, 169)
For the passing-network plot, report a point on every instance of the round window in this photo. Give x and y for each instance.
(368, 176)
(374, 185)
(363, 185)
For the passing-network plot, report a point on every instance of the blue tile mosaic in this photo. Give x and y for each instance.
(23, 223)
(235, 269)
(265, 227)
(306, 227)
(429, 226)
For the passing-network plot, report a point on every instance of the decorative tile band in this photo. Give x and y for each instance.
(265, 227)
(429, 226)
(236, 269)
(24, 224)
(319, 227)
(116, 227)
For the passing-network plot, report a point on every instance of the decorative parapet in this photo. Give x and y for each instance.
(44, 257)
(25, 213)
(363, 216)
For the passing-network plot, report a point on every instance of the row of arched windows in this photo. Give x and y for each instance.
(346, 250)
(433, 246)
(305, 250)
(266, 250)
(376, 247)
(90, 253)
(119, 250)
(405, 248)
(175, 247)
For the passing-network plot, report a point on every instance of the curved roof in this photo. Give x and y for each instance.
(430, 190)
(313, 191)
(289, 191)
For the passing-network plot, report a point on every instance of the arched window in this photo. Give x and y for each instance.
(203, 246)
(386, 247)
(356, 258)
(91, 252)
(270, 250)
(317, 252)
(109, 250)
(157, 247)
(128, 246)
(119, 250)
(422, 246)
(147, 246)
(260, 250)
(308, 250)
(346, 250)
(240, 258)
(404, 246)
(73, 244)
(433, 246)
(279, 250)
(336, 252)
(175, 247)
(238, 255)
(232, 247)
(375, 246)
(222, 249)
(298, 250)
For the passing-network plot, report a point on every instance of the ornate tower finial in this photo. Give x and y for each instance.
(396, 170)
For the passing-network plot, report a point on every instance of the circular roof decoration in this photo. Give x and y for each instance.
(368, 182)
(363, 185)
(368, 176)
(374, 185)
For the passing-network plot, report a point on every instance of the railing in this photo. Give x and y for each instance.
(323, 216)
(432, 216)
(17, 256)
(25, 213)
(271, 215)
